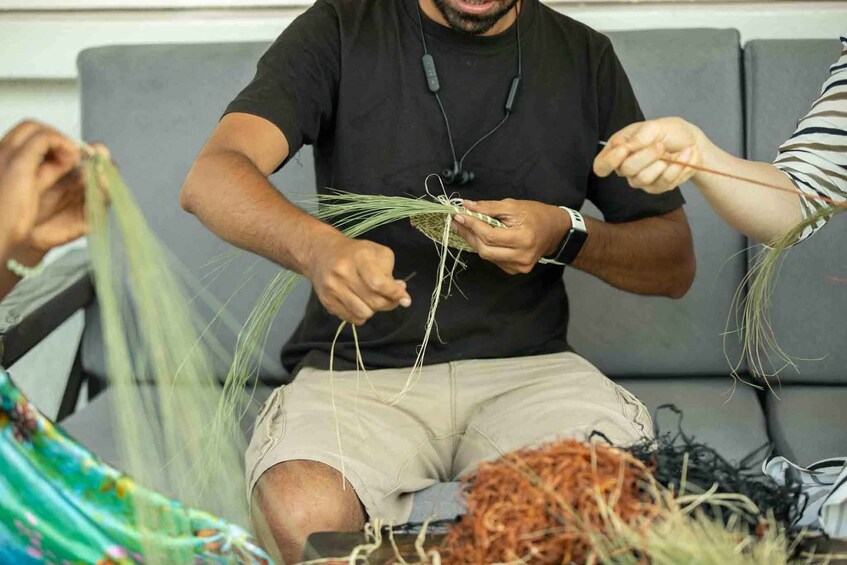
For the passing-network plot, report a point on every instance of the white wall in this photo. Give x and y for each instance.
(38, 49)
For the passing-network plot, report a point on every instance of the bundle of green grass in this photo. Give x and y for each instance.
(753, 304)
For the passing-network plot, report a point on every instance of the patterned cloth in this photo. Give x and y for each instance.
(815, 157)
(59, 504)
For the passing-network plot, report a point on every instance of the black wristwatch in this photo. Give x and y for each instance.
(573, 241)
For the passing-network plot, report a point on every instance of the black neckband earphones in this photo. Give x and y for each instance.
(456, 174)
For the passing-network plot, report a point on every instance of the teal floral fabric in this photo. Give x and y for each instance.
(60, 505)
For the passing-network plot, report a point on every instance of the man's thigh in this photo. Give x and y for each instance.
(385, 451)
(534, 400)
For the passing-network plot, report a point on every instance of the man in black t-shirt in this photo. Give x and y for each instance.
(346, 77)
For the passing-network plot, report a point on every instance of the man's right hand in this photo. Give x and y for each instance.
(354, 279)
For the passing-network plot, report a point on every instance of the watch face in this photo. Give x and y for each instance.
(576, 239)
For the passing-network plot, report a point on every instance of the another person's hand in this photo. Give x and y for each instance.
(41, 192)
(636, 153)
(534, 230)
(354, 279)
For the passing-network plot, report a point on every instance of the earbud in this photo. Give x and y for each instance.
(456, 175)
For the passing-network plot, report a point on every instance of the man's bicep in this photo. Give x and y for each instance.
(677, 234)
(258, 139)
(677, 219)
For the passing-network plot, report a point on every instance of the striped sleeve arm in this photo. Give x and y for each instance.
(815, 157)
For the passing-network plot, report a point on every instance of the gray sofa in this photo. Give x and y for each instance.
(155, 105)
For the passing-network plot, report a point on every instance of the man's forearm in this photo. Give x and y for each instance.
(653, 256)
(758, 212)
(234, 199)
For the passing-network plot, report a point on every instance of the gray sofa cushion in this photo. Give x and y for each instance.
(627, 335)
(94, 425)
(809, 423)
(809, 307)
(733, 424)
(782, 79)
(154, 106)
(441, 501)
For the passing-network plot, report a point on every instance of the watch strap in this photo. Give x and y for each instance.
(572, 242)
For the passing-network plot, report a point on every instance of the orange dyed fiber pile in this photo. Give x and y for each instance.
(536, 504)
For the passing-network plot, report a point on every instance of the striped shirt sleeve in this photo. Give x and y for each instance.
(815, 157)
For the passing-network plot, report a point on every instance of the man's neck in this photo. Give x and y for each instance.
(432, 12)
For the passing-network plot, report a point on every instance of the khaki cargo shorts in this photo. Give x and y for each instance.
(456, 415)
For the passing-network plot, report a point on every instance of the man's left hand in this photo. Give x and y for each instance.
(533, 230)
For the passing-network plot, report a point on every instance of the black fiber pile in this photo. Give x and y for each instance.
(705, 468)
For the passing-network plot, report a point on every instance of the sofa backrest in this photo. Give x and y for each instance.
(155, 106)
(695, 74)
(783, 79)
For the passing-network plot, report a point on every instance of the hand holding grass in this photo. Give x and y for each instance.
(41, 193)
(354, 279)
(535, 230)
(641, 153)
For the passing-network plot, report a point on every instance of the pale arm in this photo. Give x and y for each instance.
(637, 153)
(758, 212)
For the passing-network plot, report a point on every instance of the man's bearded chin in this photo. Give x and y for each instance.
(469, 23)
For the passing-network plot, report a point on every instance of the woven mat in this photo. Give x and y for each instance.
(432, 226)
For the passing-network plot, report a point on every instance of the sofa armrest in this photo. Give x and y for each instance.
(39, 305)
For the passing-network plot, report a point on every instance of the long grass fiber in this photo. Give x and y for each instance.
(354, 215)
(765, 357)
(683, 533)
(169, 436)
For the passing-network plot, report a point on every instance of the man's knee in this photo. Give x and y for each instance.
(297, 498)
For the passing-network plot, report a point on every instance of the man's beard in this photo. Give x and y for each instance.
(468, 23)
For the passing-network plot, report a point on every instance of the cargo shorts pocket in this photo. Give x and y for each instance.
(633, 410)
(268, 432)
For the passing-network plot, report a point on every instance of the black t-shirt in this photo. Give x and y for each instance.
(346, 77)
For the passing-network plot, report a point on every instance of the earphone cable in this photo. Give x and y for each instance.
(461, 161)
(449, 133)
(437, 97)
(481, 139)
(506, 117)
